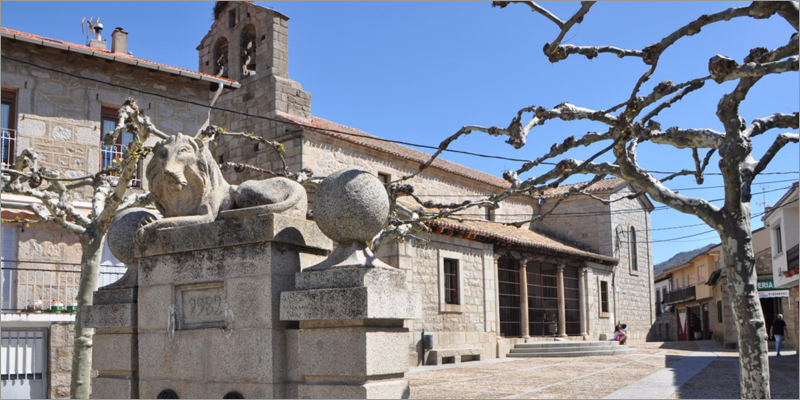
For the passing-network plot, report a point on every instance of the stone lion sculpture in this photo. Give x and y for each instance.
(188, 188)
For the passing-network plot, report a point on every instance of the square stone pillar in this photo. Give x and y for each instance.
(352, 342)
(115, 346)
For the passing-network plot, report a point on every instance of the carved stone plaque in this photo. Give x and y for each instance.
(200, 305)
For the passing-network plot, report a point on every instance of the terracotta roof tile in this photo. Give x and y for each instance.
(605, 185)
(495, 231)
(110, 53)
(399, 150)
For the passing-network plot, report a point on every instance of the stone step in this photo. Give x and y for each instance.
(565, 349)
(538, 345)
(613, 352)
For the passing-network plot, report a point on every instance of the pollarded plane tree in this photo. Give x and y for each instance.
(626, 126)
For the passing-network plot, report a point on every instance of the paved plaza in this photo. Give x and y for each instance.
(656, 370)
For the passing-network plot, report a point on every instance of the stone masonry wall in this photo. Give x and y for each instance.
(590, 231)
(634, 288)
(325, 155)
(60, 360)
(474, 325)
(59, 116)
(599, 323)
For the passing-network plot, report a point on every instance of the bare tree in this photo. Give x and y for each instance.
(56, 206)
(626, 127)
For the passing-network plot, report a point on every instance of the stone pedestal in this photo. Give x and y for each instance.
(207, 312)
(352, 342)
(115, 348)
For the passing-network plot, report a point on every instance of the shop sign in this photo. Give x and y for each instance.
(766, 285)
(770, 294)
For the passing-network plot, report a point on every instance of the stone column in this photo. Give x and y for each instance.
(562, 315)
(523, 298)
(582, 298)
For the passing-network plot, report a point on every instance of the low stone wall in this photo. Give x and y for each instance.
(60, 360)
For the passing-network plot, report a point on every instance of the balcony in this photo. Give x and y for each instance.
(680, 295)
(792, 261)
(35, 287)
(8, 138)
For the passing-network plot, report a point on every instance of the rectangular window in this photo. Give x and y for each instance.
(8, 134)
(634, 250)
(111, 154)
(384, 178)
(489, 214)
(690, 280)
(701, 274)
(451, 281)
(778, 240)
(509, 290)
(604, 297)
(719, 311)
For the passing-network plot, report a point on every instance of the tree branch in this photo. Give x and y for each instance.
(535, 8)
(777, 120)
(723, 69)
(780, 141)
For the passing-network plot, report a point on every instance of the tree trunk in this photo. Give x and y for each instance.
(81, 379)
(742, 280)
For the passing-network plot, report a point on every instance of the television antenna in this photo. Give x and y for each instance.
(95, 27)
(763, 201)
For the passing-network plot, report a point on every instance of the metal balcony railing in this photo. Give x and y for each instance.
(8, 141)
(34, 286)
(792, 258)
(680, 295)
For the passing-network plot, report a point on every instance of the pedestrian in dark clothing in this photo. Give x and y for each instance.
(777, 331)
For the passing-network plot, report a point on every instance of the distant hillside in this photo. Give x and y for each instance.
(680, 258)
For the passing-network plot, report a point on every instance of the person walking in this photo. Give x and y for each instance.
(777, 331)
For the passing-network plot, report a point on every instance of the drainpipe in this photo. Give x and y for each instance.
(649, 269)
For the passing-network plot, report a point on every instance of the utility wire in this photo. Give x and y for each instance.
(424, 146)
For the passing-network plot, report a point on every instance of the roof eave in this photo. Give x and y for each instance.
(125, 60)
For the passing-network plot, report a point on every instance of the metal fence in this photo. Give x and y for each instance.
(8, 138)
(34, 286)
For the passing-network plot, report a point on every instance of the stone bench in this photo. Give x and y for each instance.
(452, 356)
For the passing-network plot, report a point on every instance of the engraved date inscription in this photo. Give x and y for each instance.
(201, 306)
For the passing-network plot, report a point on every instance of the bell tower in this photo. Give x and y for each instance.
(249, 44)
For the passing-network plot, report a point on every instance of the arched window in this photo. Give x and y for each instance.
(221, 57)
(248, 50)
(634, 257)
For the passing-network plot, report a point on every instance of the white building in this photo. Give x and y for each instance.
(782, 222)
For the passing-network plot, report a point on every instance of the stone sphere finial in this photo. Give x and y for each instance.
(122, 231)
(351, 207)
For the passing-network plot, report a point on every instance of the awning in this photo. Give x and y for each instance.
(712, 280)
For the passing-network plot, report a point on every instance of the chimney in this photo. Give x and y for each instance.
(98, 41)
(119, 41)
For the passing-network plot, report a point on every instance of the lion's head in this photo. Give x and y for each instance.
(178, 175)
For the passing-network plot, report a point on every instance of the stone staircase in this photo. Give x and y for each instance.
(569, 349)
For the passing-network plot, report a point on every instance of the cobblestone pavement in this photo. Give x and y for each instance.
(591, 377)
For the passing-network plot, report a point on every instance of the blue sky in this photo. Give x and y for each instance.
(418, 71)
